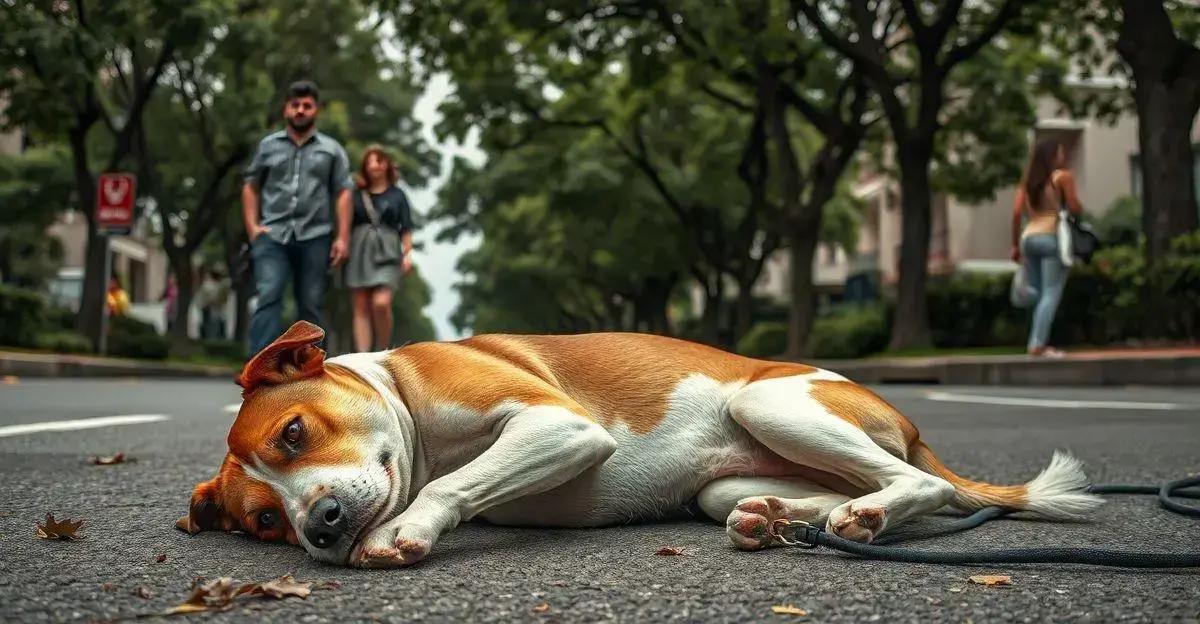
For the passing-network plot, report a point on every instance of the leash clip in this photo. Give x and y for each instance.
(805, 533)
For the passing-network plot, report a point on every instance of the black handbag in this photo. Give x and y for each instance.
(383, 245)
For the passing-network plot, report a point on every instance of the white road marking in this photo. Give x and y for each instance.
(233, 408)
(1061, 403)
(82, 423)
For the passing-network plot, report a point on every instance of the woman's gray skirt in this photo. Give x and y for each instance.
(361, 272)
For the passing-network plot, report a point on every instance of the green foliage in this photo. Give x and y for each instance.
(129, 337)
(973, 309)
(227, 350)
(765, 339)
(1121, 224)
(35, 186)
(21, 313)
(62, 341)
(851, 332)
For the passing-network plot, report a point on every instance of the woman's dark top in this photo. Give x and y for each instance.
(391, 206)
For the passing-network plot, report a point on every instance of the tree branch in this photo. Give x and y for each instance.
(957, 54)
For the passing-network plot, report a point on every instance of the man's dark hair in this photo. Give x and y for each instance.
(303, 88)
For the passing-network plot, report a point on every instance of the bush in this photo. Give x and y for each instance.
(853, 331)
(765, 339)
(129, 337)
(973, 310)
(231, 350)
(63, 342)
(21, 315)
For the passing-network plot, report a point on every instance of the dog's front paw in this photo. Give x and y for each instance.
(389, 547)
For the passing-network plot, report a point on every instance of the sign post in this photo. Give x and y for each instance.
(115, 193)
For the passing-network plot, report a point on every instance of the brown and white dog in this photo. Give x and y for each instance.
(366, 459)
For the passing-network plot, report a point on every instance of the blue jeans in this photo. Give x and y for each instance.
(303, 262)
(1047, 277)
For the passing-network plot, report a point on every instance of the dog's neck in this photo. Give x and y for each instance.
(370, 368)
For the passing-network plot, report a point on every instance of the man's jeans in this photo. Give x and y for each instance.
(1047, 276)
(303, 262)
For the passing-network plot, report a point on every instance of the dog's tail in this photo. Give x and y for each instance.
(1058, 492)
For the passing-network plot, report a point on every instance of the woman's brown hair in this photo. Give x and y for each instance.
(1041, 165)
(393, 172)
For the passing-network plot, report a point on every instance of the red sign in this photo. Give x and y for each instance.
(115, 193)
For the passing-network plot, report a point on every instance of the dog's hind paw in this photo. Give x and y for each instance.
(749, 525)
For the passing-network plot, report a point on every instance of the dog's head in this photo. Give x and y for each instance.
(316, 455)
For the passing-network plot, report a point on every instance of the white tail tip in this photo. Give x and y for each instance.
(1059, 491)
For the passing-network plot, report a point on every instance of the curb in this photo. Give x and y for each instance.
(1021, 370)
(41, 365)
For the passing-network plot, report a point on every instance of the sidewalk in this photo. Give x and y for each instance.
(21, 364)
(1106, 367)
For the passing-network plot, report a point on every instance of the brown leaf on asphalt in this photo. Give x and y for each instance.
(107, 587)
(669, 551)
(991, 579)
(542, 608)
(161, 558)
(788, 610)
(328, 585)
(283, 587)
(55, 530)
(109, 460)
(143, 592)
(220, 594)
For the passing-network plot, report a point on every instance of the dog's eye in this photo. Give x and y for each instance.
(267, 519)
(292, 432)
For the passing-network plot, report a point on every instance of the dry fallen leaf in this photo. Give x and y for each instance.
(108, 587)
(991, 579)
(329, 585)
(283, 587)
(108, 460)
(669, 551)
(162, 557)
(219, 594)
(542, 608)
(143, 592)
(54, 530)
(788, 610)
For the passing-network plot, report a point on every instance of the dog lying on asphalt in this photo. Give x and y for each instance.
(366, 459)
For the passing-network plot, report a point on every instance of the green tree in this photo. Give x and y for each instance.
(68, 68)
(910, 53)
(35, 187)
(1157, 45)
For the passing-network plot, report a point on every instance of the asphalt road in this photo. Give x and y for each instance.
(486, 573)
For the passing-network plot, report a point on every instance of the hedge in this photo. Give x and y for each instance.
(22, 314)
(129, 337)
(853, 331)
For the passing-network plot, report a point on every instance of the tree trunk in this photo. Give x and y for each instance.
(744, 306)
(710, 322)
(1165, 116)
(91, 300)
(911, 325)
(1166, 73)
(802, 309)
(185, 288)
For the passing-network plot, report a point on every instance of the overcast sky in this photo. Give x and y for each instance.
(437, 260)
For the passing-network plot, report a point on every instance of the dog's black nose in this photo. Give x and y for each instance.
(326, 522)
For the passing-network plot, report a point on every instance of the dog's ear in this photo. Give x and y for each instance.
(204, 513)
(293, 355)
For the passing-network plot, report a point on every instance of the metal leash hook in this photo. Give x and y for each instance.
(806, 540)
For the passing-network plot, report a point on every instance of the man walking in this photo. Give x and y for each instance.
(290, 185)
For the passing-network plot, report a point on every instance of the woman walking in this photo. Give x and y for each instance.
(1047, 185)
(380, 249)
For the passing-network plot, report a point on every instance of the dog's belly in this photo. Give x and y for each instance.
(652, 475)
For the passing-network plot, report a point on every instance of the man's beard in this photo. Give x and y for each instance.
(303, 126)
